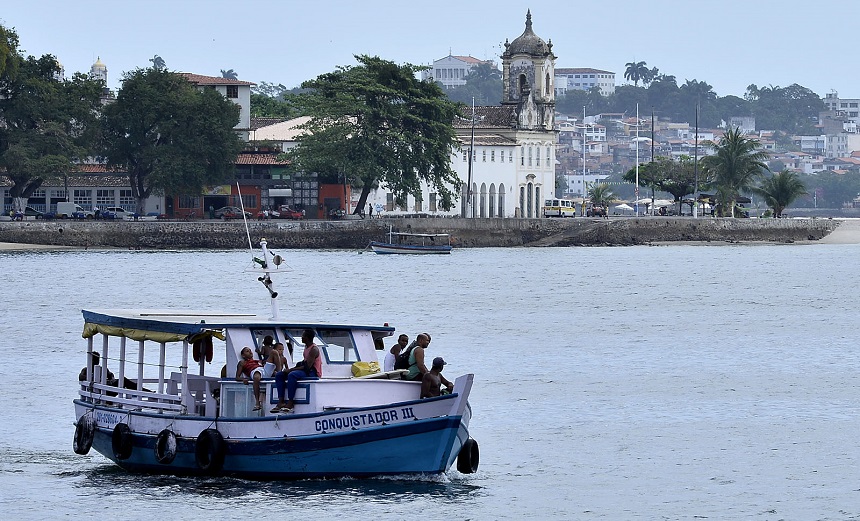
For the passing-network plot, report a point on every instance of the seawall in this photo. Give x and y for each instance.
(468, 233)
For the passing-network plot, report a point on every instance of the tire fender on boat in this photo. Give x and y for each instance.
(85, 431)
(467, 460)
(209, 451)
(121, 441)
(165, 446)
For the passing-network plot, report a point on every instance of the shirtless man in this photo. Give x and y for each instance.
(431, 384)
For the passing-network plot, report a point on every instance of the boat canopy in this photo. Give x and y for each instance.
(176, 326)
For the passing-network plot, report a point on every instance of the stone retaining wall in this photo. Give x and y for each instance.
(350, 234)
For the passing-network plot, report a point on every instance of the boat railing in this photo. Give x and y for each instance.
(130, 398)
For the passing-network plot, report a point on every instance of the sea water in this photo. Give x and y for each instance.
(669, 382)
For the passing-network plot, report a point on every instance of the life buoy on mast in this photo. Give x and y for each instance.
(202, 347)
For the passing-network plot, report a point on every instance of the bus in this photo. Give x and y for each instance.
(559, 208)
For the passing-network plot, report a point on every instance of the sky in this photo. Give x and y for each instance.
(729, 44)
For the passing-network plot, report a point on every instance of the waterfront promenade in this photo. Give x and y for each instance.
(465, 233)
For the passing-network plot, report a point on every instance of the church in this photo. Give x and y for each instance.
(512, 167)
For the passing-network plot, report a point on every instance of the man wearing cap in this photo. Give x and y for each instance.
(431, 384)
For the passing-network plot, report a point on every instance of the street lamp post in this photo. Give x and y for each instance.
(470, 211)
(636, 186)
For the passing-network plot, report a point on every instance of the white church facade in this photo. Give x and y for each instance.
(513, 164)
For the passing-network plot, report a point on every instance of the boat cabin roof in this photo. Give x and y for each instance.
(183, 322)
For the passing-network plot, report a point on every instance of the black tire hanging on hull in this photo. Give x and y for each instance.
(85, 431)
(121, 441)
(165, 447)
(209, 451)
(467, 460)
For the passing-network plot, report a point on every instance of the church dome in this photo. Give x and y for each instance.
(528, 42)
(98, 65)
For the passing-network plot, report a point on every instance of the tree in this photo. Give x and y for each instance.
(667, 175)
(265, 107)
(8, 53)
(376, 123)
(635, 72)
(780, 190)
(484, 83)
(229, 74)
(601, 194)
(737, 163)
(170, 137)
(158, 62)
(48, 124)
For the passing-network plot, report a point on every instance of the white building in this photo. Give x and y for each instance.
(451, 71)
(237, 91)
(582, 78)
(513, 166)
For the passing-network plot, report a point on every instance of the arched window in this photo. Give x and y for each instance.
(524, 85)
(529, 200)
(522, 201)
(483, 211)
(537, 201)
(474, 199)
(501, 210)
(546, 88)
(492, 200)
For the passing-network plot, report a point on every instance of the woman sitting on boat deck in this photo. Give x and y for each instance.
(250, 368)
(310, 368)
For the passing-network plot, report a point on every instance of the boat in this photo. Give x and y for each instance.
(420, 243)
(171, 415)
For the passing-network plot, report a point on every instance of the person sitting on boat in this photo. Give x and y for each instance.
(431, 384)
(417, 369)
(111, 379)
(388, 362)
(310, 368)
(275, 362)
(250, 369)
(266, 348)
(82, 377)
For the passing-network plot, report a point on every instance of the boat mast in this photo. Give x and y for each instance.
(266, 280)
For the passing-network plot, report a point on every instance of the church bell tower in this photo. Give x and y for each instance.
(528, 75)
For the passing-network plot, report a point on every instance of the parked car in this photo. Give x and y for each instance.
(29, 211)
(285, 212)
(230, 212)
(116, 212)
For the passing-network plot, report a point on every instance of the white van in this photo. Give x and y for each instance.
(66, 210)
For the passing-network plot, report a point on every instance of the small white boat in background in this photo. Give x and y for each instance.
(170, 415)
(420, 243)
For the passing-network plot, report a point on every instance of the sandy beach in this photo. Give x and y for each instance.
(13, 246)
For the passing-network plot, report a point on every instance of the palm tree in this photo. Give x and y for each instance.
(601, 194)
(780, 190)
(230, 74)
(737, 163)
(635, 72)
